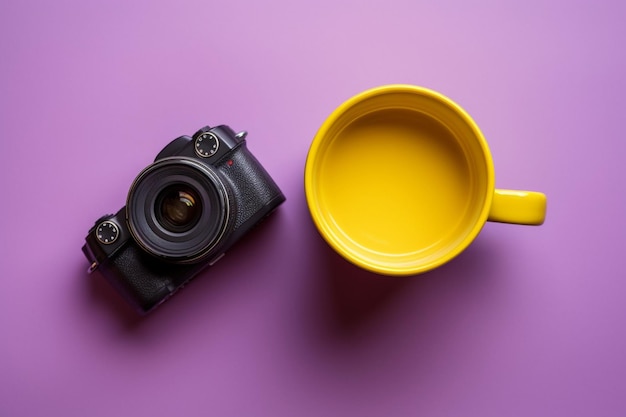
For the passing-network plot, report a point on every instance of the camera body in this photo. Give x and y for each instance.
(199, 197)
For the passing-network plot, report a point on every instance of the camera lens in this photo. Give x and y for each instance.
(179, 209)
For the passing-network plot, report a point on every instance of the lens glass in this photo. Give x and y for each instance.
(178, 208)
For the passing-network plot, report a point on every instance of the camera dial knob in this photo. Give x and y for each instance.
(206, 144)
(107, 232)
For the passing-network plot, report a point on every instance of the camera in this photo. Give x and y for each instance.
(200, 196)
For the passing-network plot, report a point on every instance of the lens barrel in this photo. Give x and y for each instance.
(179, 209)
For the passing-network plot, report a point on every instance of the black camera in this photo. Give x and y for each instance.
(200, 196)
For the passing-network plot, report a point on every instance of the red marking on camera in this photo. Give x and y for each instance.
(229, 162)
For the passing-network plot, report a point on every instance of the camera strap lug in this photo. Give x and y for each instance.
(92, 267)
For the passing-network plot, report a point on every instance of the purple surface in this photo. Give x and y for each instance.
(527, 322)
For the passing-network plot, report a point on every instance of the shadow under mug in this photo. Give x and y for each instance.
(399, 180)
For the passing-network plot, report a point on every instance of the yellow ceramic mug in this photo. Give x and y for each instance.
(399, 180)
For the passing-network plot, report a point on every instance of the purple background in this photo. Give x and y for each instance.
(529, 321)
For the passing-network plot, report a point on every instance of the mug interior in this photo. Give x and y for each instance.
(398, 180)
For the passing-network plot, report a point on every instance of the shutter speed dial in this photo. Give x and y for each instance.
(206, 144)
(107, 232)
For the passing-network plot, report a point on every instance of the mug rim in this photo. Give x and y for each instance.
(320, 140)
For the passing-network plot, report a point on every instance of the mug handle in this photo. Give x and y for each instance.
(518, 207)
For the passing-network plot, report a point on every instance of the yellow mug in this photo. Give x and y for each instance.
(399, 180)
